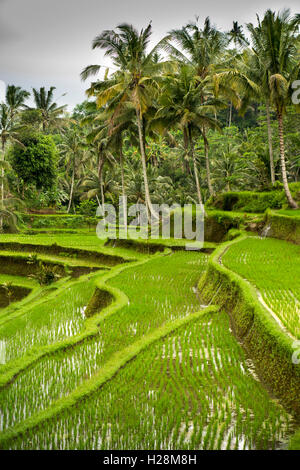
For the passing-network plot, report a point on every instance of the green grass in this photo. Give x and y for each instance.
(273, 266)
(86, 240)
(18, 280)
(190, 390)
(289, 212)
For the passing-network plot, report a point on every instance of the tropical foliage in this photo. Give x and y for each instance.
(203, 111)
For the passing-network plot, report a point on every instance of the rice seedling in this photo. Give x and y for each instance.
(273, 266)
(48, 322)
(159, 291)
(180, 393)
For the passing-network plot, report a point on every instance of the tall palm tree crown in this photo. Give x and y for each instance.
(50, 111)
(276, 44)
(135, 82)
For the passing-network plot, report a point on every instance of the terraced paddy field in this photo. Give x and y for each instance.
(273, 266)
(127, 356)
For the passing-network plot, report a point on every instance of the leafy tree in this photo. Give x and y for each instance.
(35, 162)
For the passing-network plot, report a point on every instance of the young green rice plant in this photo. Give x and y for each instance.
(164, 399)
(159, 291)
(273, 266)
(48, 322)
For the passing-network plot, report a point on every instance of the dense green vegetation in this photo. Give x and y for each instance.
(201, 113)
(149, 343)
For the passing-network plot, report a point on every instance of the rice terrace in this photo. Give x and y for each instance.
(138, 340)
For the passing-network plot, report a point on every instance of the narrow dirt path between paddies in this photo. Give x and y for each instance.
(273, 267)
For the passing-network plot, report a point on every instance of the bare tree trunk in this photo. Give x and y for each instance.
(209, 184)
(230, 114)
(291, 201)
(100, 172)
(270, 144)
(71, 191)
(2, 187)
(185, 166)
(195, 167)
(144, 166)
(123, 187)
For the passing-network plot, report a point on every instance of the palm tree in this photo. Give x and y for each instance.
(107, 188)
(73, 156)
(15, 97)
(66, 186)
(9, 131)
(201, 49)
(50, 111)
(135, 82)
(237, 36)
(275, 44)
(229, 168)
(101, 149)
(180, 105)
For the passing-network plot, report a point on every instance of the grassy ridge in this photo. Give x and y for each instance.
(166, 294)
(106, 373)
(284, 227)
(269, 347)
(273, 266)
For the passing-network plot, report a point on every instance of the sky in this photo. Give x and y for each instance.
(48, 42)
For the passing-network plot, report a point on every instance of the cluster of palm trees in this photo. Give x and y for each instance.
(172, 96)
(11, 126)
(187, 88)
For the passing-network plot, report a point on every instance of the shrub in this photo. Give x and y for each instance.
(45, 274)
(247, 201)
(87, 208)
(255, 202)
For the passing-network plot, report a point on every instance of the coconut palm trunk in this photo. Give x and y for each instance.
(209, 184)
(192, 149)
(289, 197)
(272, 170)
(123, 187)
(144, 166)
(185, 166)
(2, 186)
(71, 191)
(230, 114)
(100, 177)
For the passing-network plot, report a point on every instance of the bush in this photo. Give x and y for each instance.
(247, 201)
(283, 227)
(87, 208)
(45, 274)
(255, 202)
